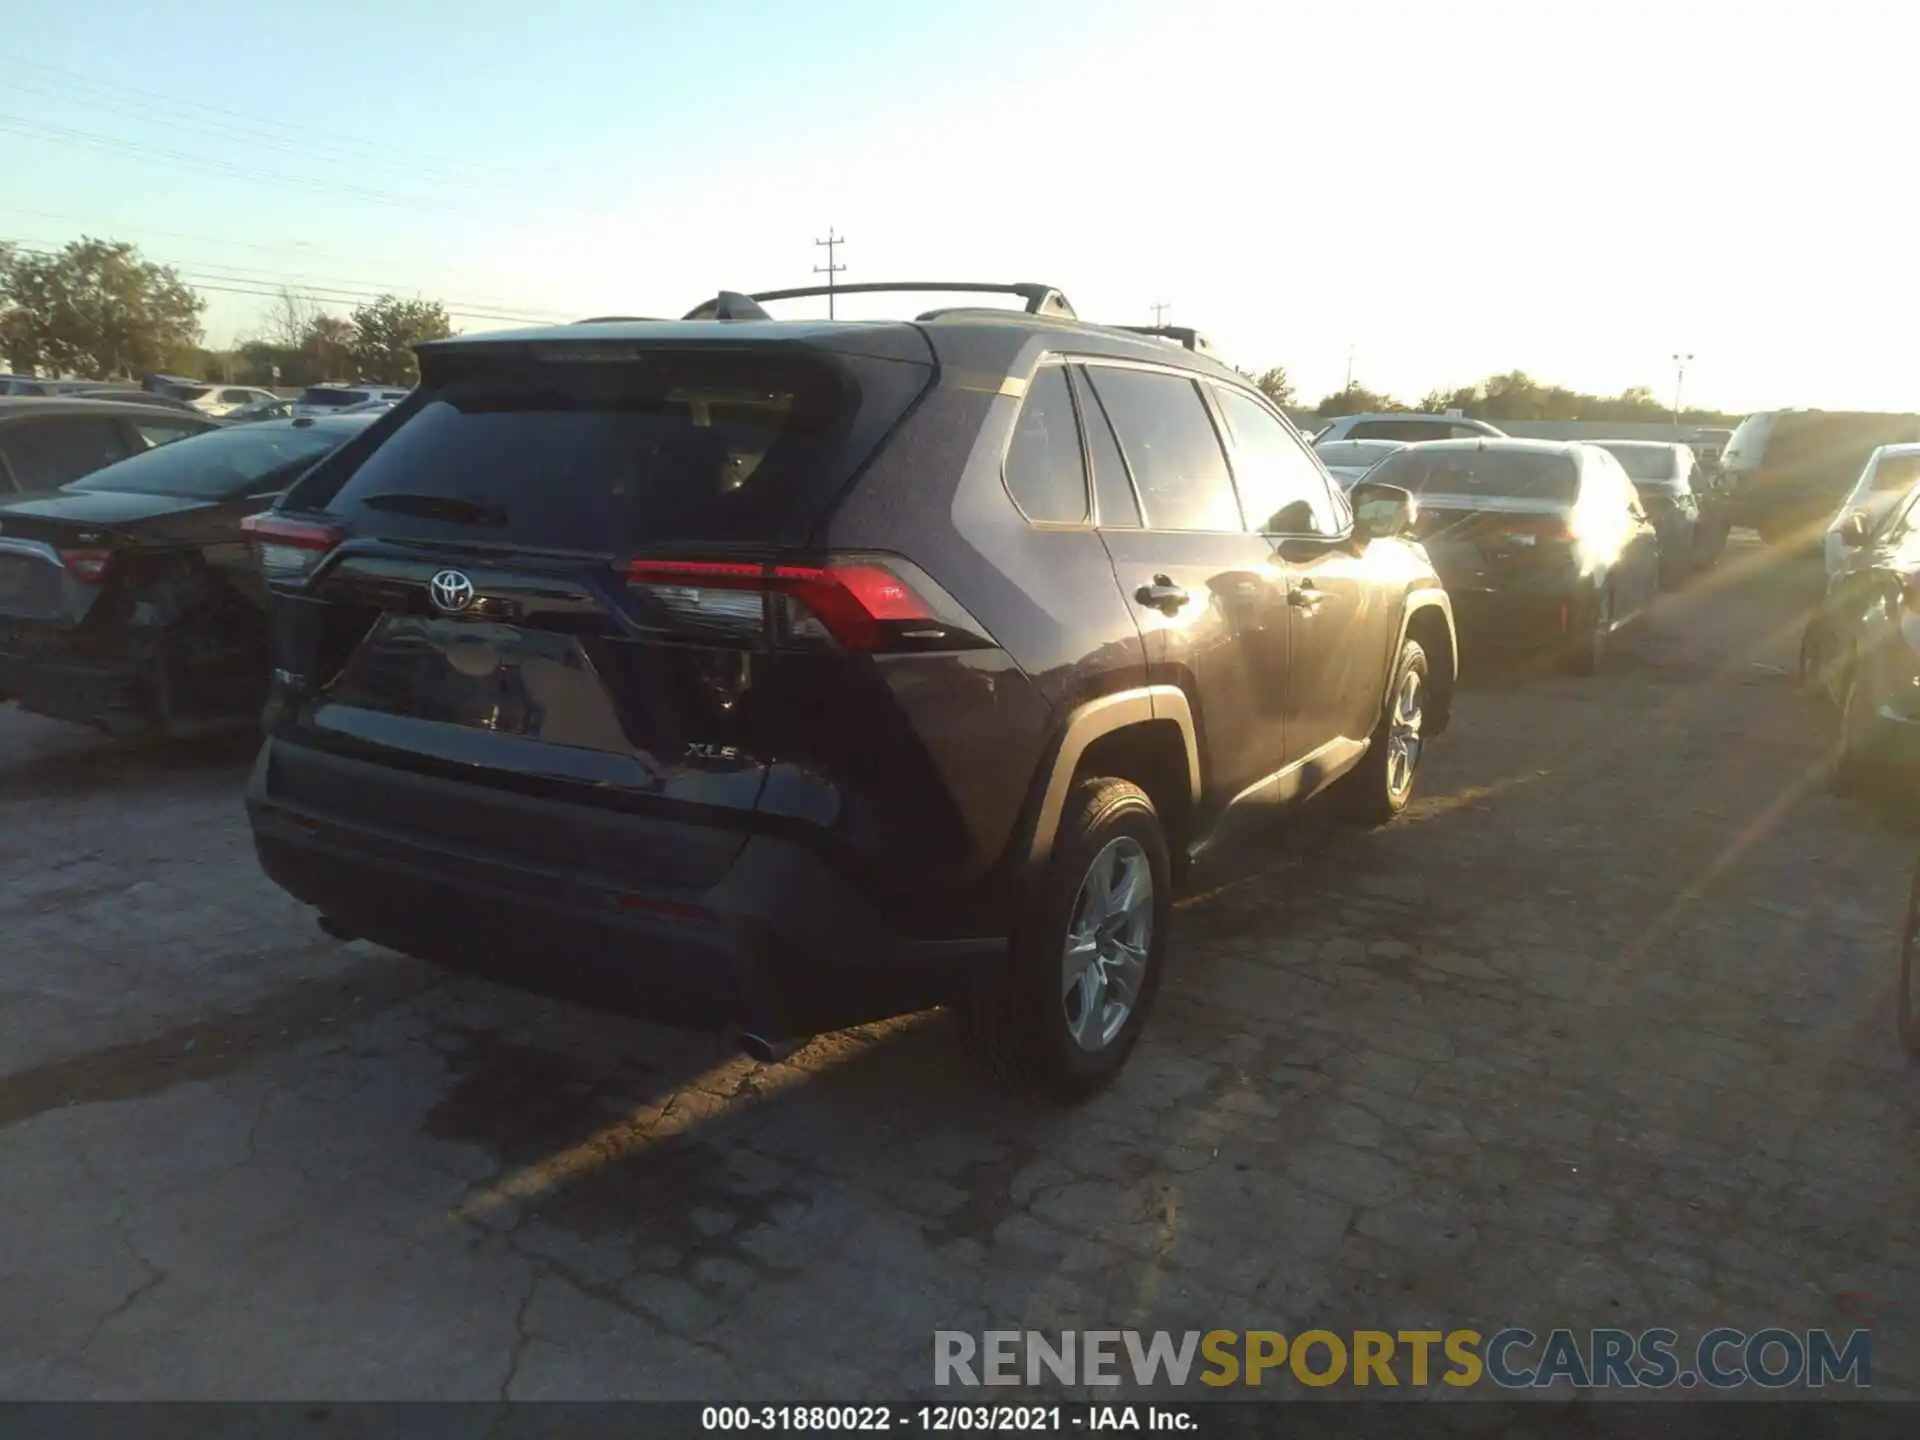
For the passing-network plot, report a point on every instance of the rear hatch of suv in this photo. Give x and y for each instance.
(584, 570)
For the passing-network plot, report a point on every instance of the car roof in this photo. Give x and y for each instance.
(322, 423)
(1904, 447)
(1641, 444)
(1076, 336)
(1518, 443)
(13, 406)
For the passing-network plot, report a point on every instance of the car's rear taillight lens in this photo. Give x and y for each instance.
(853, 602)
(89, 567)
(288, 549)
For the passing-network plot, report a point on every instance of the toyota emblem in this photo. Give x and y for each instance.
(450, 591)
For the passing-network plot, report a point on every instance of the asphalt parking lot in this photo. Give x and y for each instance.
(1598, 1034)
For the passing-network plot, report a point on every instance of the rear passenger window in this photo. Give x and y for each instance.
(1171, 447)
(1045, 470)
(45, 454)
(1112, 489)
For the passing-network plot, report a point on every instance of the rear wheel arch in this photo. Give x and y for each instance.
(1429, 622)
(1145, 735)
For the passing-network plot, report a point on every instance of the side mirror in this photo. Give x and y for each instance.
(1853, 532)
(1381, 512)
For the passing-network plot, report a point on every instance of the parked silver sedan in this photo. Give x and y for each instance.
(1348, 460)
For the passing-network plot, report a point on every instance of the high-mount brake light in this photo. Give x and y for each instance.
(289, 549)
(858, 604)
(89, 567)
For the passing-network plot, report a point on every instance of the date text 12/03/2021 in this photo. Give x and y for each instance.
(946, 1419)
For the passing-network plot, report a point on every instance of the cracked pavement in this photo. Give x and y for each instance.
(1598, 1034)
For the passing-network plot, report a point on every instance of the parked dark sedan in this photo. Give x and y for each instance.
(1691, 518)
(127, 600)
(1537, 541)
(45, 441)
(1861, 649)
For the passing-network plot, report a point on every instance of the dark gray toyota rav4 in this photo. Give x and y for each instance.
(789, 674)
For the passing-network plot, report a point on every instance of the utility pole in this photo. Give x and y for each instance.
(832, 242)
(1349, 384)
(1160, 311)
(1680, 363)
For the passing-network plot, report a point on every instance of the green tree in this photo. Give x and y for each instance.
(97, 310)
(1356, 399)
(1274, 384)
(386, 331)
(329, 350)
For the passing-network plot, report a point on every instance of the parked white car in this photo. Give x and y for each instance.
(1411, 426)
(1890, 472)
(219, 399)
(332, 399)
(1348, 460)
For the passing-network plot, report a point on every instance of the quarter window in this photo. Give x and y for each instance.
(1171, 447)
(1046, 472)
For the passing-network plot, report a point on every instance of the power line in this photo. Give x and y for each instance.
(65, 135)
(253, 274)
(329, 295)
(49, 79)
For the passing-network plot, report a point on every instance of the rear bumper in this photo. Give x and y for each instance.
(780, 945)
(111, 693)
(1528, 614)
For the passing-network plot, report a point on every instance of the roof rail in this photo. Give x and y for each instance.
(1041, 299)
(618, 319)
(1190, 338)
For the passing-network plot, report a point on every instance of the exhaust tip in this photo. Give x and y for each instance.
(768, 1052)
(334, 929)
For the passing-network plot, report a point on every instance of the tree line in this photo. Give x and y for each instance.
(1515, 395)
(97, 310)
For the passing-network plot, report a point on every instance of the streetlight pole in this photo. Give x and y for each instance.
(1680, 363)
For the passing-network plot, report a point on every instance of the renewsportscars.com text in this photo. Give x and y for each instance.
(1511, 1359)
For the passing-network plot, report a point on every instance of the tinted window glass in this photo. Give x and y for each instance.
(1645, 462)
(1113, 490)
(164, 432)
(710, 446)
(1896, 472)
(1281, 490)
(1171, 447)
(48, 453)
(221, 464)
(332, 398)
(1410, 431)
(1045, 470)
(1528, 474)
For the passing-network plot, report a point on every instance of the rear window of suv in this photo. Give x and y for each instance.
(1520, 474)
(609, 456)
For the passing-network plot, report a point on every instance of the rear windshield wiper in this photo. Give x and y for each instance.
(451, 508)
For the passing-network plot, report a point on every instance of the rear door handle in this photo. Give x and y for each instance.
(1306, 598)
(1162, 594)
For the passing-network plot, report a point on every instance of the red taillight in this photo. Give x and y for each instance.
(288, 549)
(89, 567)
(859, 604)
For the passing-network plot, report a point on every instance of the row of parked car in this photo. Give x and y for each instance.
(783, 676)
(1543, 541)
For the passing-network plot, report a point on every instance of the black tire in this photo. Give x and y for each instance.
(1852, 773)
(1368, 792)
(1906, 1022)
(1584, 654)
(1016, 1019)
